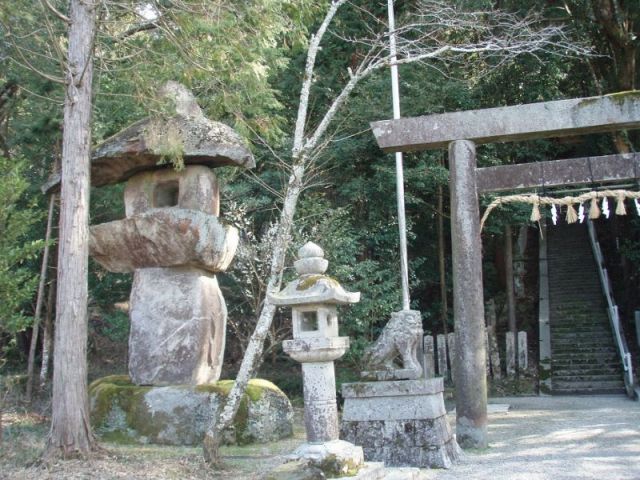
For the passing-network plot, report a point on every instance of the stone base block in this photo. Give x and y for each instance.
(180, 414)
(178, 322)
(401, 423)
(336, 458)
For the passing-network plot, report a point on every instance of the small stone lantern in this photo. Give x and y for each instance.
(313, 298)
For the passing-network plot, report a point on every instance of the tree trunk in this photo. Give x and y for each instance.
(40, 300)
(254, 350)
(70, 428)
(616, 22)
(47, 334)
(511, 297)
(253, 354)
(444, 306)
(508, 269)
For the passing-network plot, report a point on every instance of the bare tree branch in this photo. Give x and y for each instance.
(314, 45)
(56, 12)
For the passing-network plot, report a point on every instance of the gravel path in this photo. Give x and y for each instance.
(556, 438)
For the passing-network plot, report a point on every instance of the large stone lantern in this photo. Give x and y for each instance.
(171, 239)
(316, 343)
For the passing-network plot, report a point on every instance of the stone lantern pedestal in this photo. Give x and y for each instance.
(319, 381)
(313, 298)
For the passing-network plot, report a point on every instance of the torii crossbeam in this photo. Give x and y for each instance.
(460, 131)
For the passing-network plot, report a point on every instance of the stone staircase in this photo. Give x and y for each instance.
(584, 357)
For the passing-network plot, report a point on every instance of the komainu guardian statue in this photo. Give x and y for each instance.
(394, 355)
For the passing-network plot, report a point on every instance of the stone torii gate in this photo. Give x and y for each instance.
(461, 131)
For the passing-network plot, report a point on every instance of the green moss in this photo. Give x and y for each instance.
(255, 388)
(618, 98)
(165, 140)
(101, 398)
(116, 401)
(215, 388)
(333, 467)
(544, 372)
(621, 97)
(254, 392)
(119, 437)
(311, 280)
(117, 390)
(119, 380)
(240, 423)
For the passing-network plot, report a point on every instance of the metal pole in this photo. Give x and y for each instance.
(402, 226)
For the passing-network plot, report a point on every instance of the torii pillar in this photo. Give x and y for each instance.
(468, 303)
(460, 132)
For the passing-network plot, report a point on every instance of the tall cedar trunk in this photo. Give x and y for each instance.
(40, 300)
(70, 429)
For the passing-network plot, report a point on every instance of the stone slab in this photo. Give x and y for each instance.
(388, 375)
(366, 409)
(429, 358)
(553, 173)
(405, 404)
(577, 116)
(393, 388)
(164, 237)
(523, 357)
(145, 144)
(441, 342)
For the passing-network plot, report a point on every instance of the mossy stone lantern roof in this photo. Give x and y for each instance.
(312, 286)
(152, 142)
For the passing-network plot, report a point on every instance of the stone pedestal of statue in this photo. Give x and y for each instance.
(401, 423)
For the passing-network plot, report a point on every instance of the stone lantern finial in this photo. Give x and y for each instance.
(311, 260)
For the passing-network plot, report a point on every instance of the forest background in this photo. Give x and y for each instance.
(244, 62)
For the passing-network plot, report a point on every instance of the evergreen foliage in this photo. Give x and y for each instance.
(18, 216)
(244, 60)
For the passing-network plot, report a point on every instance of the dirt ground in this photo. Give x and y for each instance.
(556, 438)
(539, 438)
